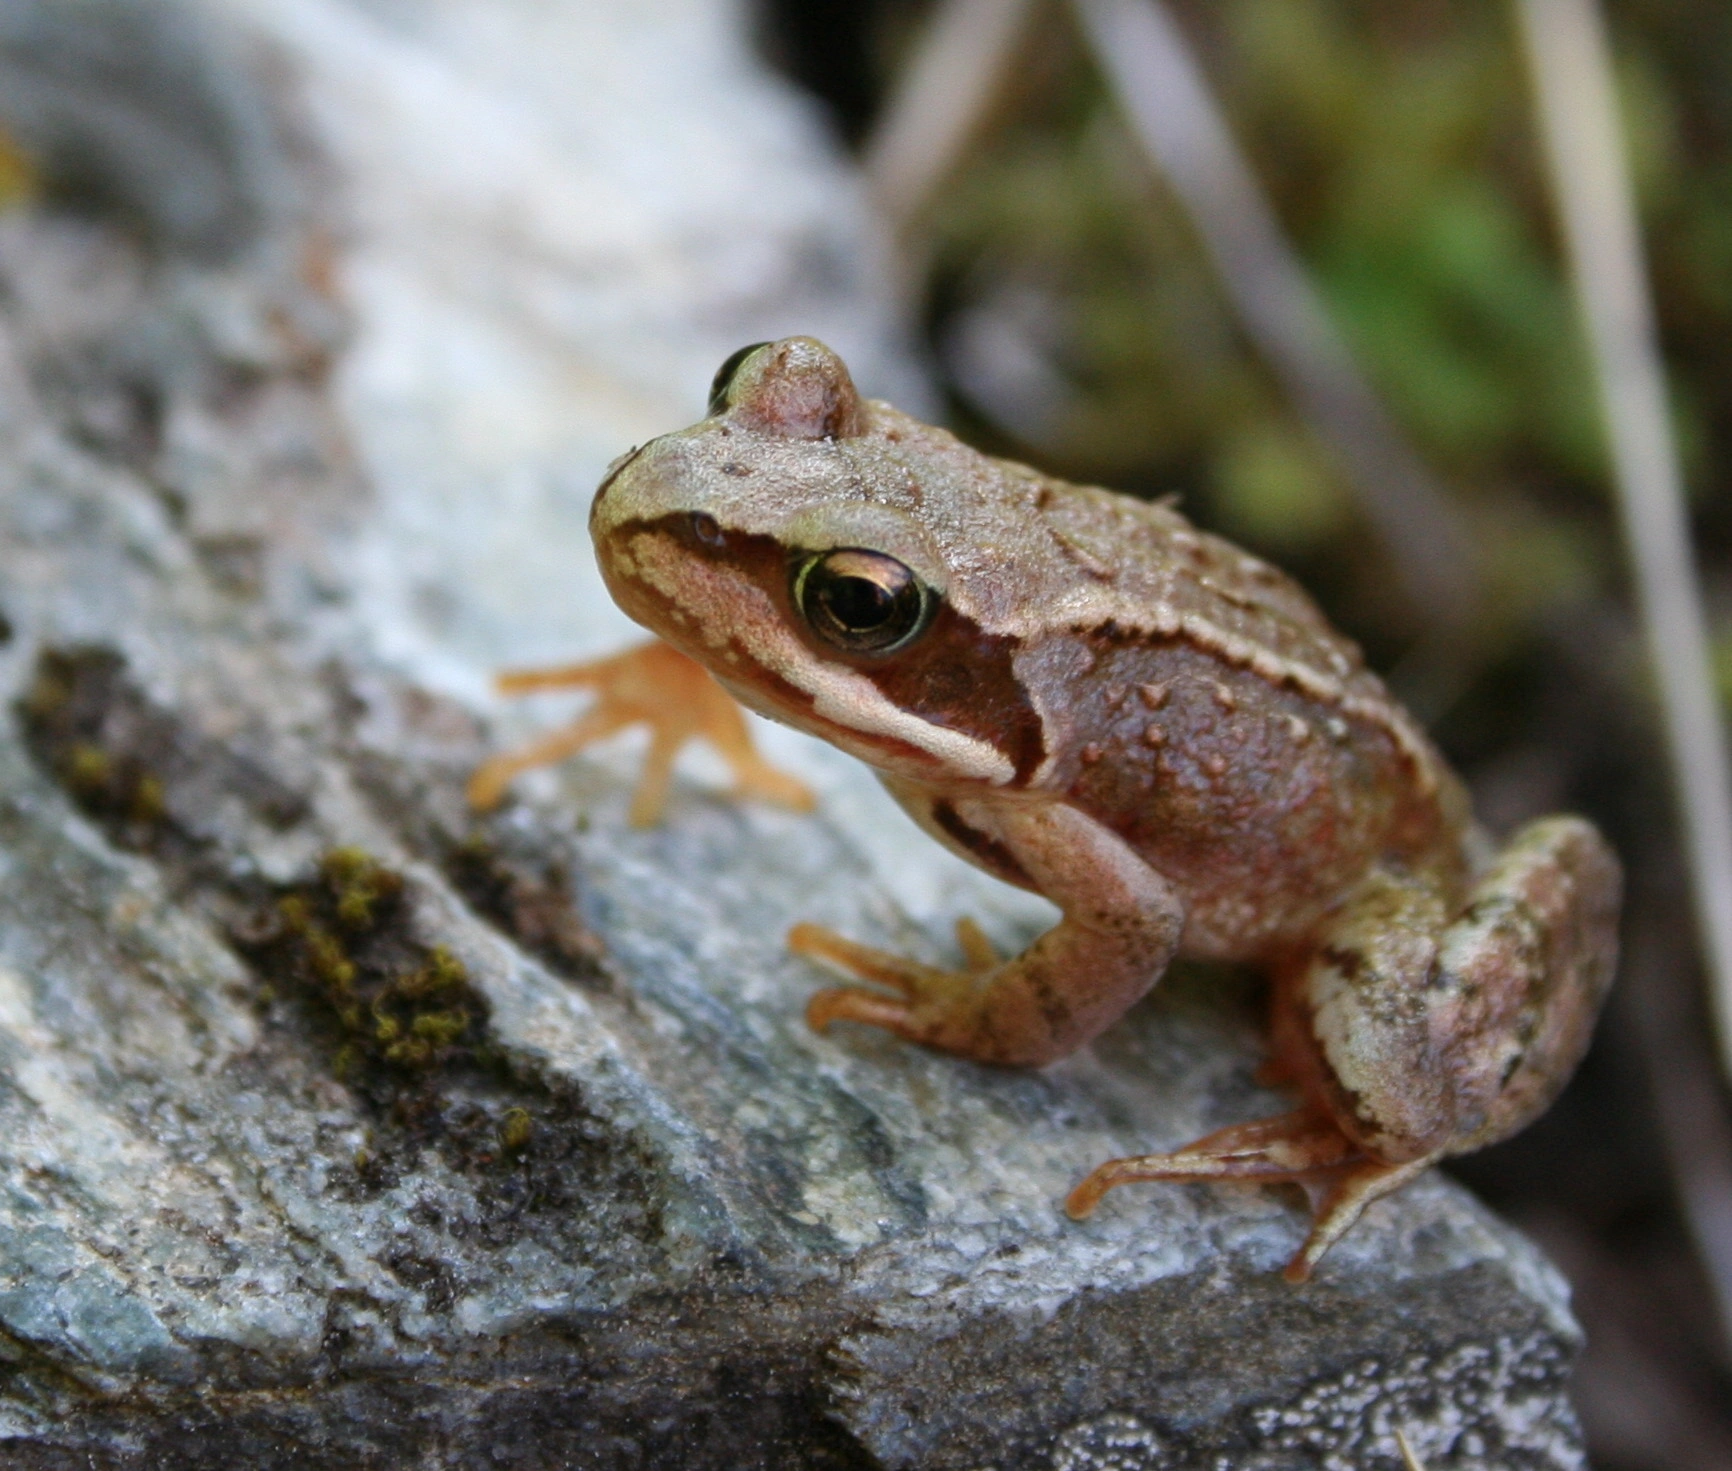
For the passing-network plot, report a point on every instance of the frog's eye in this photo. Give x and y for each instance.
(724, 379)
(861, 601)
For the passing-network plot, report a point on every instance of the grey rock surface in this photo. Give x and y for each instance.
(339, 1128)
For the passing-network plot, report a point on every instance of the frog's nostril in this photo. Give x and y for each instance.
(612, 473)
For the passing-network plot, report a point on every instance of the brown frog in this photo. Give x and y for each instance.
(1086, 696)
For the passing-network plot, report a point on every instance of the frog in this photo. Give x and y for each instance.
(1089, 697)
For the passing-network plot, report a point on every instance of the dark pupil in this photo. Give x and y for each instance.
(857, 603)
(724, 379)
(861, 601)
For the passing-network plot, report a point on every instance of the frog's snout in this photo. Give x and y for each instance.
(597, 516)
(635, 487)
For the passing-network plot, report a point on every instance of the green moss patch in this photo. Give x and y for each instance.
(100, 753)
(342, 941)
(343, 973)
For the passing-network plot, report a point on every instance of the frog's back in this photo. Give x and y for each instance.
(1031, 555)
(1088, 557)
(1155, 570)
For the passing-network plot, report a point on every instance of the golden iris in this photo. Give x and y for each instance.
(861, 601)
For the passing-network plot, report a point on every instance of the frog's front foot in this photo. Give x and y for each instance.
(932, 1005)
(1304, 1147)
(654, 685)
(1120, 926)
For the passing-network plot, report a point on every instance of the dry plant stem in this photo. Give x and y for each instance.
(1175, 119)
(1568, 52)
(939, 101)
(1408, 1458)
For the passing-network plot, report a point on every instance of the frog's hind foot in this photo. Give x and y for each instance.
(1296, 1146)
(1302, 1147)
(654, 685)
(1343, 1204)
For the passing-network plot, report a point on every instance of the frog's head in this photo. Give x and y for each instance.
(800, 543)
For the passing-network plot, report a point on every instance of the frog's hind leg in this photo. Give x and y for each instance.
(1304, 1147)
(1415, 1032)
(1344, 1202)
(655, 685)
(1424, 1040)
(1295, 1146)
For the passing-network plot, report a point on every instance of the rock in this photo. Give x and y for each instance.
(339, 1128)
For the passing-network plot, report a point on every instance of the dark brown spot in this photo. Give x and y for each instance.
(1055, 1008)
(960, 678)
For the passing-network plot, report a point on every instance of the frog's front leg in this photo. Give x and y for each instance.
(1121, 924)
(1416, 1034)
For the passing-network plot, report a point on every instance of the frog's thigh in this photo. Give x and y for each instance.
(1521, 975)
(1440, 1033)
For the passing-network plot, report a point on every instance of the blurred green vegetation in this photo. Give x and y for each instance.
(1398, 143)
